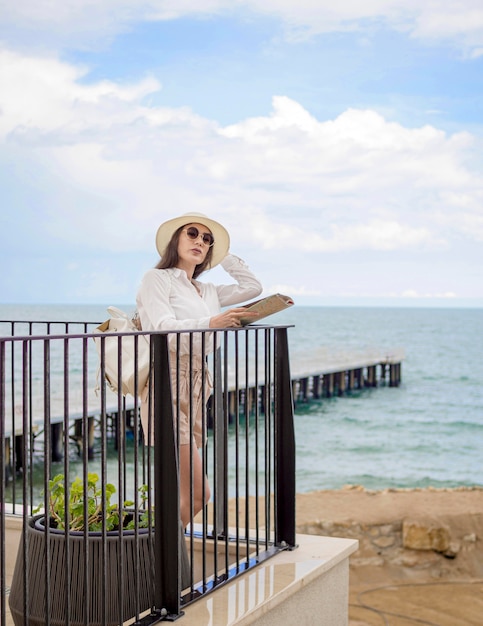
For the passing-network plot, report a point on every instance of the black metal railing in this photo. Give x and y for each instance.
(59, 417)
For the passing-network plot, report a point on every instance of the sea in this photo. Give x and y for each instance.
(428, 432)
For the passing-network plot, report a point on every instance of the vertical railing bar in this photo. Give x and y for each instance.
(237, 449)
(226, 420)
(47, 476)
(30, 451)
(149, 436)
(247, 445)
(272, 450)
(191, 418)
(204, 460)
(177, 430)
(121, 447)
(178, 378)
(218, 447)
(68, 545)
(257, 444)
(12, 437)
(268, 414)
(124, 443)
(166, 510)
(137, 586)
(120, 420)
(276, 436)
(145, 460)
(85, 462)
(219, 475)
(104, 476)
(285, 489)
(148, 455)
(25, 387)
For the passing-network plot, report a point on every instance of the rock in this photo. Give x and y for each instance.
(374, 561)
(452, 551)
(416, 559)
(389, 529)
(426, 534)
(384, 542)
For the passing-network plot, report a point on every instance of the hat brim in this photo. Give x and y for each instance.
(219, 232)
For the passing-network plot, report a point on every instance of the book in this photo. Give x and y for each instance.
(266, 306)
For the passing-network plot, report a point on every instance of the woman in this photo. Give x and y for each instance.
(171, 298)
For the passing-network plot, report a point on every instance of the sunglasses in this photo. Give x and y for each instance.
(193, 233)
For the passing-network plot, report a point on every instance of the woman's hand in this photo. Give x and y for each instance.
(231, 318)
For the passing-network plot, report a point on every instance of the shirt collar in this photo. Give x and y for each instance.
(179, 273)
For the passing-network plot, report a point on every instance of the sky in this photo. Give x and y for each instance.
(341, 144)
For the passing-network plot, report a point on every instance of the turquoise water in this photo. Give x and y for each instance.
(427, 432)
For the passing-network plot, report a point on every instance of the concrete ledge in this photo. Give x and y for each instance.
(13, 533)
(307, 586)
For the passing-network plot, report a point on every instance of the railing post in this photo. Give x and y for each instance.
(167, 590)
(219, 434)
(284, 444)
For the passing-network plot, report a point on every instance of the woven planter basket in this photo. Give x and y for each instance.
(120, 601)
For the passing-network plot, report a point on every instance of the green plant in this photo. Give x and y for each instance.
(91, 501)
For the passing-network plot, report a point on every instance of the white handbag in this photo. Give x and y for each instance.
(120, 322)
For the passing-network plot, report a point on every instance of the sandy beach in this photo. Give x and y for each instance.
(420, 557)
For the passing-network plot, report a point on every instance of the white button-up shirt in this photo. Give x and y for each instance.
(167, 300)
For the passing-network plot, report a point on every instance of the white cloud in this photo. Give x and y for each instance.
(85, 22)
(293, 290)
(40, 95)
(111, 161)
(413, 293)
(373, 235)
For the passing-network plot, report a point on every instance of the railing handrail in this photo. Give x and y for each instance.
(93, 334)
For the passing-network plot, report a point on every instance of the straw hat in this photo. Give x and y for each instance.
(219, 232)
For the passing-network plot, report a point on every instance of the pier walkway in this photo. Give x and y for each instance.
(345, 372)
(314, 377)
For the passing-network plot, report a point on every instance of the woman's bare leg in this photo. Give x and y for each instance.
(188, 492)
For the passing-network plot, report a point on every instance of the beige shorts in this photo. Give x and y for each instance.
(187, 401)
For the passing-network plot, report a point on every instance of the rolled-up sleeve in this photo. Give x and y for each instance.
(247, 284)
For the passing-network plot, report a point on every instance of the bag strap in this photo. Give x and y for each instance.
(117, 313)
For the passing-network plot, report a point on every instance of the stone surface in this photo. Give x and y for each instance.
(431, 586)
(385, 541)
(425, 534)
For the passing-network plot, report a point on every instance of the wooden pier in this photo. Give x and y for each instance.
(347, 374)
(336, 377)
(311, 380)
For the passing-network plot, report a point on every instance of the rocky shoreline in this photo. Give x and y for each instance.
(408, 539)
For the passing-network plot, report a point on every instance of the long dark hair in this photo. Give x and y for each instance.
(170, 256)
